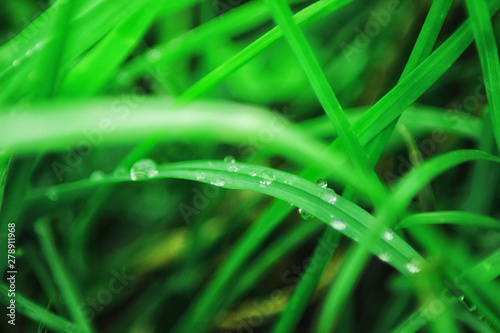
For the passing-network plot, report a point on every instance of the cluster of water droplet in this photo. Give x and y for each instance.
(143, 169)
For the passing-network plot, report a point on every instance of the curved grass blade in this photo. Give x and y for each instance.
(449, 217)
(114, 121)
(404, 191)
(416, 179)
(301, 193)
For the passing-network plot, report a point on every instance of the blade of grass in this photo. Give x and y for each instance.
(356, 258)
(37, 313)
(297, 41)
(50, 58)
(488, 55)
(450, 217)
(91, 74)
(61, 276)
(485, 174)
(298, 303)
(306, 16)
(302, 193)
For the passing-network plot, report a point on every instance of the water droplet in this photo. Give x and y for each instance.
(229, 159)
(15, 63)
(143, 169)
(96, 176)
(154, 55)
(388, 235)
(322, 183)
(200, 175)
(384, 256)
(288, 182)
(305, 215)
(338, 225)
(412, 268)
(120, 172)
(267, 177)
(232, 168)
(218, 181)
(253, 173)
(29, 52)
(52, 194)
(38, 45)
(329, 196)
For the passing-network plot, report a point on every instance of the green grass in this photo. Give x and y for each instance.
(364, 192)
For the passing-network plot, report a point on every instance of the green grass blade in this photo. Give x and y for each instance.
(449, 217)
(50, 58)
(280, 248)
(236, 21)
(62, 277)
(306, 16)
(111, 122)
(488, 269)
(428, 34)
(488, 55)
(97, 67)
(37, 313)
(297, 304)
(301, 193)
(283, 16)
(416, 179)
(422, 49)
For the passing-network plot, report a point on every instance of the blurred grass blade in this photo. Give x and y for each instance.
(114, 121)
(488, 55)
(449, 217)
(38, 313)
(297, 304)
(91, 74)
(306, 16)
(62, 278)
(416, 179)
(283, 16)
